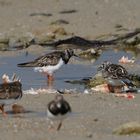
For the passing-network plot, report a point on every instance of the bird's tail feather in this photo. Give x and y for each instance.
(28, 64)
(128, 83)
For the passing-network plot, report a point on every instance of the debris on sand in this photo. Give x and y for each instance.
(6, 79)
(40, 91)
(125, 95)
(125, 60)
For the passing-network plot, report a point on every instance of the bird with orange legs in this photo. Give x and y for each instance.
(49, 63)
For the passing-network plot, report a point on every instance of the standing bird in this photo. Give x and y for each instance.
(50, 62)
(57, 110)
(116, 75)
(10, 92)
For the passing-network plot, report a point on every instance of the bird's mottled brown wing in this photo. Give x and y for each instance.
(11, 90)
(48, 59)
(117, 71)
(45, 60)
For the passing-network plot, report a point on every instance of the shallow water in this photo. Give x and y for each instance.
(67, 72)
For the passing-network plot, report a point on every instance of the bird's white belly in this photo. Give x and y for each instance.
(49, 69)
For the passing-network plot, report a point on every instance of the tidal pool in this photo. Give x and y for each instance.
(31, 79)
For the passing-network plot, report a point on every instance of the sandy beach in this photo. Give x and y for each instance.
(93, 116)
(89, 19)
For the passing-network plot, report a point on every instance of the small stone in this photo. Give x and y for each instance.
(89, 135)
(96, 80)
(18, 109)
(60, 31)
(118, 26)
(95, 120)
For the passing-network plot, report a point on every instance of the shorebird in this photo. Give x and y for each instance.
(50, 62)
(10, 92)
(116, 75)
(58, 110)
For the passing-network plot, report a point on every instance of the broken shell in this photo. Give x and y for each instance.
(5, 78)
(125, 60)
(101, 88)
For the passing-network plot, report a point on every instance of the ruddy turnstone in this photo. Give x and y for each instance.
(57, 110)
(50, 62)
(10, 92)
(116, 75)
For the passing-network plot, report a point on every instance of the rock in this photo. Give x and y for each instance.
(20, 42)
(4, 40)
(96, 80)
(96, 119)
(128, 129)
(118, 26)
(115, 86)
(3, 47)
(90, 54)
(57, 30)
(133, 40)
(42, 39)
(18, 109)
(89, 135)
(60, 31)
(135, 79)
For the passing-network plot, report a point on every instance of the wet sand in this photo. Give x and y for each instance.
(90, 19)
(94, 116)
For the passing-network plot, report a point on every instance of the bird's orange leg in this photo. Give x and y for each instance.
(2, 110)
(50, 80)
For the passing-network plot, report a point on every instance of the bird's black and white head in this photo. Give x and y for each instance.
(67, 54)
(62, 105)
(59, 98)
(59, 106)
(103, 66)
